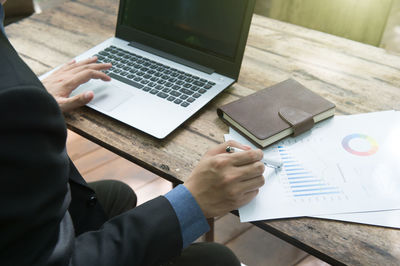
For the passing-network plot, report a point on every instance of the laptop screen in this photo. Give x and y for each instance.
(210, 26)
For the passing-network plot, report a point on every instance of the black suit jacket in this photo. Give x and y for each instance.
(38, 181)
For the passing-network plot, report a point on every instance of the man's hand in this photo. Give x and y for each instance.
(62, 82)
(223, 181)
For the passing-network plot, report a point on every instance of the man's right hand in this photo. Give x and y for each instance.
(223, 181)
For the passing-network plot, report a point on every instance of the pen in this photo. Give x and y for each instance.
(268, 162)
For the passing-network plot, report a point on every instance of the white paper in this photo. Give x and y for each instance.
(381, 218)
(321, 177)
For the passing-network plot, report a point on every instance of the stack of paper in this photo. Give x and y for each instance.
(346, 168)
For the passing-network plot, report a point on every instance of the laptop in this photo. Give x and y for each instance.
(170, 58)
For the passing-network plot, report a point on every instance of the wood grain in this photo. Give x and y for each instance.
(356, 77)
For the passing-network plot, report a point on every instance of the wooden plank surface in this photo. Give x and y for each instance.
(356, 77)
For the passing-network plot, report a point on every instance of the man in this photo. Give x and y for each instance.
(50, 216)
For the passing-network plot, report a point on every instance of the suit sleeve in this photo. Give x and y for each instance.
(146, 235)
(34, 175)
(35, 195)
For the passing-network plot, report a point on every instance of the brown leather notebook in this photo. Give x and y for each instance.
(287, 108)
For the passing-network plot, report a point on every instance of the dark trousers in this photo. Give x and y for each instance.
(116, 197)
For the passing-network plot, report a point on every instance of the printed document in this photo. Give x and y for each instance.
(346, 164)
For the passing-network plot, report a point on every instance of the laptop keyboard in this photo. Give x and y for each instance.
(162, 81)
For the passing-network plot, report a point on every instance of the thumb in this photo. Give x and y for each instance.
(221, 148)
(77, 101)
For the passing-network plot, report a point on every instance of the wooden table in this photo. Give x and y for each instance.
(358, 78)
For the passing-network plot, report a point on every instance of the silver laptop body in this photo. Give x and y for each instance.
(170, 58)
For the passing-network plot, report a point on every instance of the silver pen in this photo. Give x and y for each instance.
(268, 162)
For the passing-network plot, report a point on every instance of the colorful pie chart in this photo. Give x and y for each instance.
(367, 141)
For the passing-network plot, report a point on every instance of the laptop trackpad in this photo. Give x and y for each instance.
(107, 96)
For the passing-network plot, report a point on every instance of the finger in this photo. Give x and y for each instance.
(252, 184)
(93, 66)
(249, 196)
(245, 198)
(246, 157)
(77, 101)
(87, 61)
(249, 171)
(221, 148)
(65, 66)
(236, 144)
(85, 76)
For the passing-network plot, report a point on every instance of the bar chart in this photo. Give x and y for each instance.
(300, 181)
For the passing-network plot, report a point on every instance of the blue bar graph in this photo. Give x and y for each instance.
(301, 181)
(288, 169)
(300, 177)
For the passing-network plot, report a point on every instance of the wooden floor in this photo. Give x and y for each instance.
(252, 245)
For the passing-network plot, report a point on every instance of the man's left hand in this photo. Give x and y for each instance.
(63, 81)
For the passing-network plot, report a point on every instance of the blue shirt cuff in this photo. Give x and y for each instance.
(192, 221)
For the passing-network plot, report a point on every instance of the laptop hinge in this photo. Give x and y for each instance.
(172, 58)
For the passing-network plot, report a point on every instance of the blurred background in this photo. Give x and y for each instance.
(374, 22)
